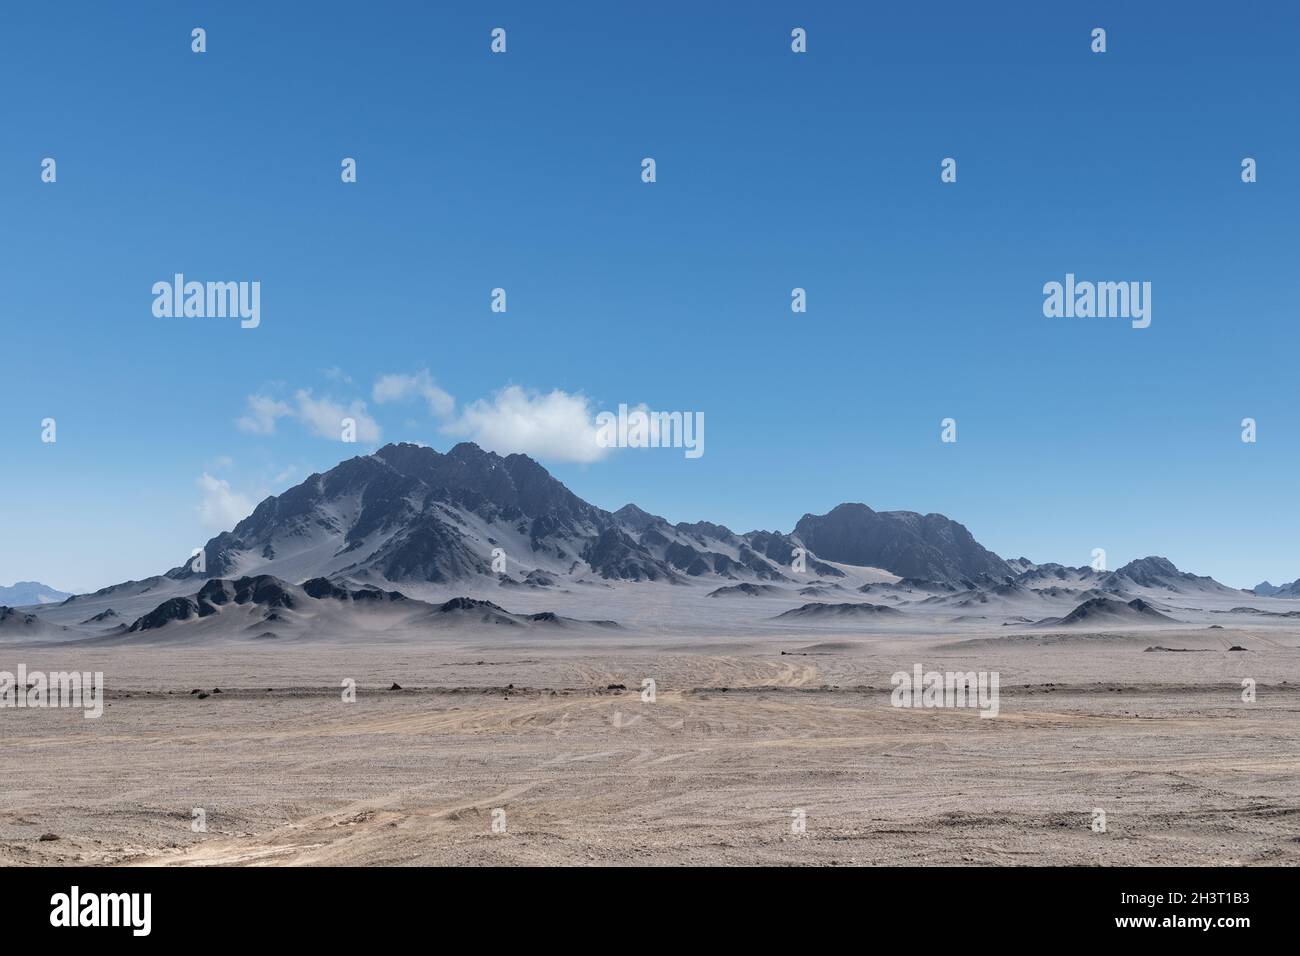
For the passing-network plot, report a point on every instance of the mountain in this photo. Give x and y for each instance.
(15, 623)
(264, 607)
(408, 543)
(1058, 575)
(1109, 612)
(30, 592)
(1151, 573)
(410, 514)
(409, 517)
(902, 542)
(1159, 573)
(746, 589)
(822, 612)
(1265, 589)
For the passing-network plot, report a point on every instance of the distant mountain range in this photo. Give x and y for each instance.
(30, 592)
(388, 537)
(1265, 589)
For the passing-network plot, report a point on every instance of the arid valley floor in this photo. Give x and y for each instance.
(741, 735)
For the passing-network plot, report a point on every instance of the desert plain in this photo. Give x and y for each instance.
(775, 749)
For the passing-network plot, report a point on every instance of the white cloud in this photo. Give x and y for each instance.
(324, 417)
(555, 425)
(400, 388)
(221, 508)
(263, 412)
(320, 416)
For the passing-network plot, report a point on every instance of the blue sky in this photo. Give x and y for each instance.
(774, 170)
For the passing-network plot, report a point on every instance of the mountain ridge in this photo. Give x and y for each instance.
(380, 540)
(23, 593)
(410, 514)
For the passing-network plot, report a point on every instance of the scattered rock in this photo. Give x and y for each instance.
(203, 696)
(396, 686)
(47, 837)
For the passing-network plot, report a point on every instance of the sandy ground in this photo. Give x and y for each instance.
(740, 738)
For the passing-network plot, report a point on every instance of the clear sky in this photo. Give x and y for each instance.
(774, 170)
